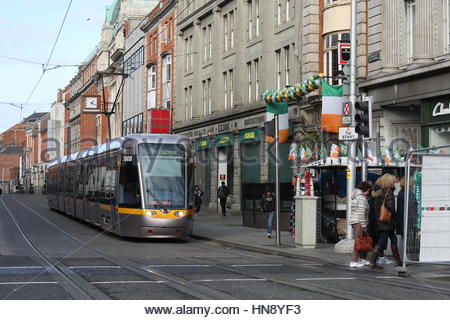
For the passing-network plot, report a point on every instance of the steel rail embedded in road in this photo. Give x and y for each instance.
(73, 284)
(181, 285)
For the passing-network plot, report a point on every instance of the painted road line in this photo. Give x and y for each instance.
(21, 267)
(128, 282)
(177, 265)
(227, 280)
(26, 283)
(257, 265)
(95, 267)
(311, 264)
(389, 277)
(323, 279)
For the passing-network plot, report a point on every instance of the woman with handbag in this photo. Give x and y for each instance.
(384, 215)
(358, 221)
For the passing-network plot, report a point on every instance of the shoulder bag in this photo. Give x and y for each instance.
(385, 214)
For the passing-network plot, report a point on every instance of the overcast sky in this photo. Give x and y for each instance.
(30, 28)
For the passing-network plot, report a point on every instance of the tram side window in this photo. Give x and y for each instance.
(103, 188)
(129, 190)
(110, 181)
(80, 182)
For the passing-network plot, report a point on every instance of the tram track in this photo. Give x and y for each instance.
(190, 289)
(72, 284)
(309, 286)
(333, 294)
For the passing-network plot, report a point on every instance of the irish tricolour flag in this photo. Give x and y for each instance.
(332, 101)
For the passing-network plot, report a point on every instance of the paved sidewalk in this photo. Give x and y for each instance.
(229, 231)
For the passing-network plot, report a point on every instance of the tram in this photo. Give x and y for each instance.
(135, 186)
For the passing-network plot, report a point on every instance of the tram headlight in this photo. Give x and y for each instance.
(151, 213)
(179, 214)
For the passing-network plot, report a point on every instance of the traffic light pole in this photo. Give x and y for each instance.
(351, 170)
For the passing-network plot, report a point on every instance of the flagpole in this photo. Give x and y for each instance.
(277, 177)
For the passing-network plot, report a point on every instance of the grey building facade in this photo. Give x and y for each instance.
(228, 53)
(409, 69)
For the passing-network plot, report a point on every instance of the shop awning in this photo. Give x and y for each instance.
(251, 135)
(224, 140)
(202, 143)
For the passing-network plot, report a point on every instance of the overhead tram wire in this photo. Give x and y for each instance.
(44, 68)
(38, 63)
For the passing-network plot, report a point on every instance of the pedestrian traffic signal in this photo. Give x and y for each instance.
(363, 117)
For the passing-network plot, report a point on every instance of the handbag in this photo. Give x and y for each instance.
(229, 201)
(364, 243)
(385, 214)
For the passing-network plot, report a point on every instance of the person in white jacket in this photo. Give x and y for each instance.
(358, 219)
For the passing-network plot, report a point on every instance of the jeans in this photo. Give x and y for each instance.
(269, 220)
(357, 231)
(383, 239)
(223, 205)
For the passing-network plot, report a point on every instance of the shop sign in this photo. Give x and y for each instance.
(203, 143)
(224, 140)
(440, 109)
(252, 135)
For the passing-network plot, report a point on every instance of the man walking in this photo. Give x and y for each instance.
(222, 194)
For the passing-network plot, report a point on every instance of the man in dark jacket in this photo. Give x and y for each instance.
(268, 207)
(222, 194)
(382, 193)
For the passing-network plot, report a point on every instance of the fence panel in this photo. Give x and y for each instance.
(427, 207)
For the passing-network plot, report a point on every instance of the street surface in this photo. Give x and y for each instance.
(48, 255)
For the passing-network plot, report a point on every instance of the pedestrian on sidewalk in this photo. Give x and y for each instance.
(198, 193)
(412, 209)
(267, 206)
(222, 194)
(383, 194)
(358, 220)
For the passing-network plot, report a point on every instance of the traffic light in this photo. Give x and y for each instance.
(363, 117)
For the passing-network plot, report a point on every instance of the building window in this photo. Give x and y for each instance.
(188, 102)
(134, 61)
(151, 93)
(189, 52)
(207, 42)
(278, 66)
(279, 9)
(249, 20)
(225, 90)
(166, 81)
(228, 24)
(258, 20)
(410, 29)
(286, 66)
(207, 99)
(331, 64)
(288, 10)
(256, 67)
(249, 80)
(228, 86)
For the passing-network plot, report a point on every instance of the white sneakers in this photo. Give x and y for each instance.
(358, 264)
(364, 262)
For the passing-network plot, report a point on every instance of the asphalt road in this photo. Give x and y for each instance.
(47, 255)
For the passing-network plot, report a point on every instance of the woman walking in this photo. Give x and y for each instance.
(383, 195)
(198, 193)
(268, 207)
(358, 220)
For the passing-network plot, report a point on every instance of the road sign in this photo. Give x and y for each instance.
(344, 53)
(348, 133)
(346, 113)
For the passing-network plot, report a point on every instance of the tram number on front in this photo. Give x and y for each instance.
(127, 158)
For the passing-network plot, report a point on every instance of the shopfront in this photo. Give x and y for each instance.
(436, 122)
(250, 160)
(203, 167)
(225, 164)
